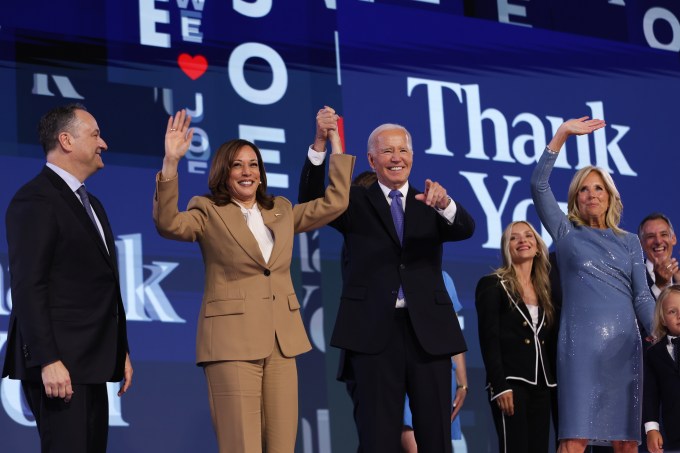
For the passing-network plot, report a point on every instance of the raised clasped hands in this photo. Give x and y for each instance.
(326, 121)
(435, 195)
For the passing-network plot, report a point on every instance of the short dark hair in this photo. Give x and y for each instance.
(56, 121)
(218, 177)
(655, 216)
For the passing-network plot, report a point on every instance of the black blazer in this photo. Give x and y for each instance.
(66, 296)
(662, 391)
(377, 264)
(510, 348)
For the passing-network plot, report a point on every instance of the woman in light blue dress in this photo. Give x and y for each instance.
(599, 351)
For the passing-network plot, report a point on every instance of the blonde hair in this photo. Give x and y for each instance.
(540, 271)
(658, 329)
(615, 208)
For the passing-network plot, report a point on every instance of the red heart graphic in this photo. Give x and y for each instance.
(194, 67)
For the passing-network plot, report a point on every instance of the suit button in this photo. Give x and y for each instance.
(274, 297)
(267, 272)
(527, 341)
(542, 341)
(402, 266)
(524, 324)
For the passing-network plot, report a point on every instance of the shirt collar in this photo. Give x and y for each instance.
(68, 178)
(386, 190)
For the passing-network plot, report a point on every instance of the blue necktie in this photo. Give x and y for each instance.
(86, 203)
(88, 208)
(397, 210)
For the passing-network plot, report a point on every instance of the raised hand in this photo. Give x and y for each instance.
(178, 135)
(177, 140)
(577, 126)
(326, 120)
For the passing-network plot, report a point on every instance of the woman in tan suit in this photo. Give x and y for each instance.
(249, 326)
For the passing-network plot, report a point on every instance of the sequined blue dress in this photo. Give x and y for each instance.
(599, 351)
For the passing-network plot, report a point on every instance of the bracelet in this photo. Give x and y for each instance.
(550, 150)
(460, 386)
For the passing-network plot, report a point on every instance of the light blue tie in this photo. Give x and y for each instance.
(397, 210)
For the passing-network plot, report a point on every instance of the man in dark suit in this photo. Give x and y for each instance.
(67, 333)
(396, 324)
(657, 238)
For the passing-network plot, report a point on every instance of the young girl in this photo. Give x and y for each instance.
(662, 375)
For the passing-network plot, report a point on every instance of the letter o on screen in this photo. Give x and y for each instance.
(651, 16)
(237, 62)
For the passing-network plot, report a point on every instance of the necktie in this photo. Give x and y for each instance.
(676, 351)
(86, 203)
(397, 210)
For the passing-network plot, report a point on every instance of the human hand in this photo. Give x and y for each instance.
(654, 441)
(459, 399)
(580, 126)
(336, 143)
(326, 120)
(664, 270)
(178, 135)
(127, 376)
(57, 381)
(506, 403)
(434, 195)
(577, 126)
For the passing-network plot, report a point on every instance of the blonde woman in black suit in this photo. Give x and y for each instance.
(516, 327)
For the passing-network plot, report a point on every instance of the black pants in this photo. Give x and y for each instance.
(79, 426)
(528, 430)
(377, 384)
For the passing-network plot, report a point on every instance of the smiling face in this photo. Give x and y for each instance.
(521, 244)
(85, 146)
(391, 157)
(244, 176)
(657, 240)
(592, 200)
(670, 313)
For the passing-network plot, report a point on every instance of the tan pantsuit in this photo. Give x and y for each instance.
(250, 313)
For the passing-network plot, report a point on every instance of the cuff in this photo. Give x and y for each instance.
(650, 426)
(316, 157)
(449, 212)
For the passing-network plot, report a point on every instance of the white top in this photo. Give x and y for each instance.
(262, 234)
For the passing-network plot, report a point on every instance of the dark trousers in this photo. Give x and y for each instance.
(377, 384)
(79, 426)
(528, 430)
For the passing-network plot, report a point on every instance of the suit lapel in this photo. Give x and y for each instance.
(76, 206)
(233, 220)
(415, 211)
(382, 207)
(108, 233)
(662, 351)
(273, 220)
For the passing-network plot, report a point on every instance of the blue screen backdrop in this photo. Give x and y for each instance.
(480, 84)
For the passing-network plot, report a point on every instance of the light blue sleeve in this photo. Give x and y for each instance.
(552, 217)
